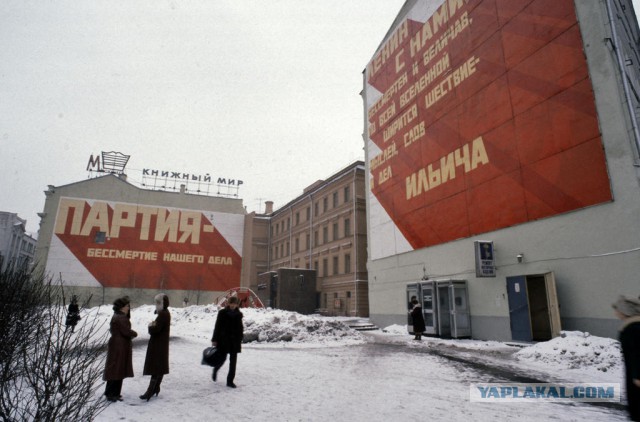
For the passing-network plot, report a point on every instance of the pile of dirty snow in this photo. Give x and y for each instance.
(260, 325)
(274, 325)
(575, 350)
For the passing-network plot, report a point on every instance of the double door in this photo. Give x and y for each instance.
(534, 314)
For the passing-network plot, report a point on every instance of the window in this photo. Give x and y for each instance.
(101, 237)
(315, 238)
(275, 252)
(281, 250)
(335, 231)
(335, 199)
(348, 295)
(297, 244)
(297, 218)
(335, 265)
(287, 249)
(308, 242)
(325, 204)
(315, 265)
(347, 194)
(325, 267)
(316, 208)
(347, 263)
(325, 234)
(308, 213)
(347, 227)
(288, 223)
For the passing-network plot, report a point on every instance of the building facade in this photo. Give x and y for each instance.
(324, 230)
(104, 238)
(17, 247)
(502, 161)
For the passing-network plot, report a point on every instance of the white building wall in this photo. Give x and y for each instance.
(594, 252)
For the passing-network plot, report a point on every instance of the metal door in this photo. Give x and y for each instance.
(443, 309)
(412, 290)
(519, 316)
(459, 305)
(428, 308)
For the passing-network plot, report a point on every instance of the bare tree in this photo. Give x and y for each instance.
(47, 373)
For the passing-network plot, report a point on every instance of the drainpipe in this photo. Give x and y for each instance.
(355, 237)
(623, 75)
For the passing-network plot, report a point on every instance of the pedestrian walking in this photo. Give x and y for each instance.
(628, 310)
(418, 319)
(73, 314)
(119, 363)
(227, 338)
(156, 362)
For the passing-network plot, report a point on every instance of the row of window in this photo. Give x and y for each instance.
(336, 266)
(285, 224)
(282, 250)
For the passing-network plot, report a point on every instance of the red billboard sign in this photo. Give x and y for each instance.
(480, 116)
(143, 246)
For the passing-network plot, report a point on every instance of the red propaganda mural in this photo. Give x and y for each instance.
(480, 116)
(142, 246)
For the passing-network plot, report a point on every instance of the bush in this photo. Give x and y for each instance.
(47, 373)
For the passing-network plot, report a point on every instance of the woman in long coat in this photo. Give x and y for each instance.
(227, 337)
(418, 319)
(156, 362)
(119, 363)
(628, 310)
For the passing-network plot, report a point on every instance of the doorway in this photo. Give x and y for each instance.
(533, 307)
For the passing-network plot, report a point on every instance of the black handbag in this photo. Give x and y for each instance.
(211, 356)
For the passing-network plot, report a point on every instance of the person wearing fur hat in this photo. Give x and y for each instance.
(227, 337)
(628, 310)
(119, 363)
(156, 362)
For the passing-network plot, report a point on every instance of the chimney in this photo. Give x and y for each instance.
(268, 207)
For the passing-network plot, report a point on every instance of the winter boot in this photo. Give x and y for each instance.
(151, 390)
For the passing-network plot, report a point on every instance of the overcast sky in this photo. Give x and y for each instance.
(263, 91)
(267, 92)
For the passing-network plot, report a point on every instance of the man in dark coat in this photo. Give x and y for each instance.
(73, 314)
(156, 362)
(418, 319)
(628, 310)
(119, 363)
(227, 337)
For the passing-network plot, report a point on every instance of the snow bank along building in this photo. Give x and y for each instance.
(104, 238)
(17, 247)
(503, 178)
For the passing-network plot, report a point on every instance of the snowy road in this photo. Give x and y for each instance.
(367, 382)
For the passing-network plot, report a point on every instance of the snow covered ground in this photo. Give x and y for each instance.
(312, 368)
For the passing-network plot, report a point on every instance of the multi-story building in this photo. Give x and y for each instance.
(502, 148)
(17, 247)
(324, 230)
(104, 238)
